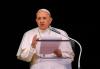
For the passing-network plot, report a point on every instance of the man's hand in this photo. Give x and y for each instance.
(58, 53)
(34, 42)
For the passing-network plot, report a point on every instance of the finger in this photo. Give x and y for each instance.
(34, 38)
(37, 39)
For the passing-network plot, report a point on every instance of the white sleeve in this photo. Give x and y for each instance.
(25, 51)
(66, 48)
(52, 55)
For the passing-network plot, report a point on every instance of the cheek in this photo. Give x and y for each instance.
(38, 22)
(48, 22)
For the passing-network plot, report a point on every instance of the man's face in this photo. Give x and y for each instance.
(43, 20)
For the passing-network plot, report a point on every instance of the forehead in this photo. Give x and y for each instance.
(42, 13)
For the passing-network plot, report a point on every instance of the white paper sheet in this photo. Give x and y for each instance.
(49, 45)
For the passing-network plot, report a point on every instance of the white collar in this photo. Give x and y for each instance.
(43, 31)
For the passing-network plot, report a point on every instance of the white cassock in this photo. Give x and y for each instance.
(29, 54)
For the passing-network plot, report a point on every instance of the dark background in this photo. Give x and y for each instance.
(78, 19)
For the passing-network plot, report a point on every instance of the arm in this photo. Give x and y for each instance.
(66, 47)
(25, 51)
(66, 50)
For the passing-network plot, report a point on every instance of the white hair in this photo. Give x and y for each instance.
(44, 10)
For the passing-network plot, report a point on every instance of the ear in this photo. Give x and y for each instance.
(36, 19)
(51, 20)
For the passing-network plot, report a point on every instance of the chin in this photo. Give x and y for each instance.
(42, 28)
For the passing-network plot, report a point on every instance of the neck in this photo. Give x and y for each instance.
(44, 29)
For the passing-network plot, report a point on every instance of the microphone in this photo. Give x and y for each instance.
(54, 30)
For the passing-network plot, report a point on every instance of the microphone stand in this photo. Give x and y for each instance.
(70, 40)
(54, 30)
(80, 51)
(79, 47)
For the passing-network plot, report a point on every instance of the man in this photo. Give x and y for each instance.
(29, 49)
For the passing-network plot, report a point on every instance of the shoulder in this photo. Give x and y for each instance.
(31, 31)
(62, 31)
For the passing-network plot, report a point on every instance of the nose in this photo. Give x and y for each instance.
(41, 21)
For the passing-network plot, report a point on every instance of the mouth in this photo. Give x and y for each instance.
(42, 24)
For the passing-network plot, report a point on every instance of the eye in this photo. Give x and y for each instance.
(44, 17)
(38, 18)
